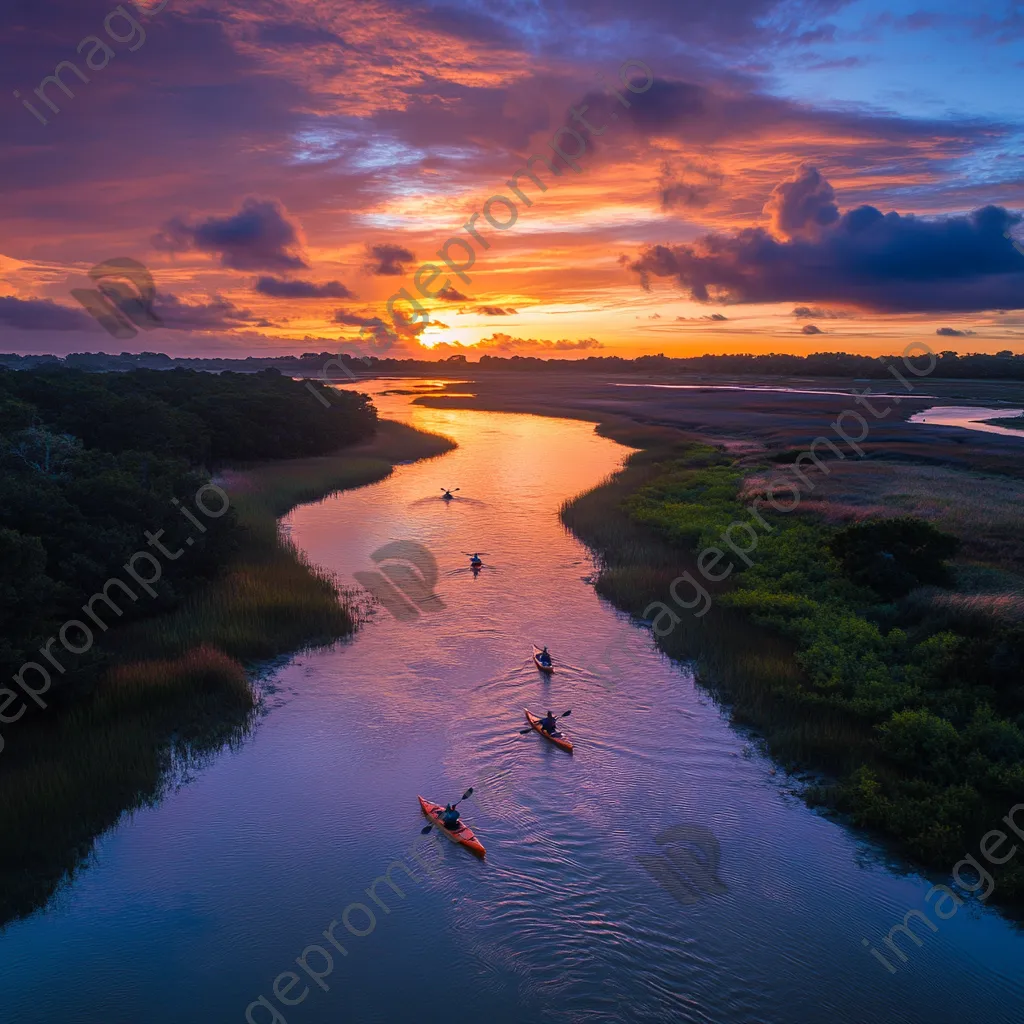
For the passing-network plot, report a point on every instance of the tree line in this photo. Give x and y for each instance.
(972, 366)
(90, 462)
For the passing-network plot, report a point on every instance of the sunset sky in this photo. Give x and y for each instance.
(805, 175)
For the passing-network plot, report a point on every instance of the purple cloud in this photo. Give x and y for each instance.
(259, 237)
(279, 288)
(883, 262)
(202, 316)
(388, 260)
(43, 315)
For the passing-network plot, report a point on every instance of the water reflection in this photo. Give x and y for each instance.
(970, 417)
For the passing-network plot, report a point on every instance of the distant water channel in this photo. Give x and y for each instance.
(969, 417)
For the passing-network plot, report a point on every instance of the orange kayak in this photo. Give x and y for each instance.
(462, 835)
(549, 667)
(559, 741)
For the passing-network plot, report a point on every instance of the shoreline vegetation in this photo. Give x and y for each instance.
(907, 693)
(1010, 422)
(166, 691)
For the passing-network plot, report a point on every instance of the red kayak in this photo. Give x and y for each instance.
(559, 741)
(462, 835)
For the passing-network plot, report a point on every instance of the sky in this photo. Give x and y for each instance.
(292, 176)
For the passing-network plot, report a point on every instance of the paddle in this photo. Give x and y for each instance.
(465, 796)
(523, 732)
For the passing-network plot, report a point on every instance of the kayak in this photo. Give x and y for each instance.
(476, 563)
(559, 741)
(540, 664)
(463, 835)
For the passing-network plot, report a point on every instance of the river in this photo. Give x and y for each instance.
(192, 908)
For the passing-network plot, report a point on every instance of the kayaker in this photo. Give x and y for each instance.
(545, 659)
(450, 817)
(550, 724)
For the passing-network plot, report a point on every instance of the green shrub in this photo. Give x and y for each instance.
(892, 556)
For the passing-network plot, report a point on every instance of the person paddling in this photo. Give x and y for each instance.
(450, 817)
(545, 659)
(550, 724)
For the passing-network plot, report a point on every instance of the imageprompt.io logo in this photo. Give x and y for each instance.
(122, 299)
(688, 871)
(406, 581)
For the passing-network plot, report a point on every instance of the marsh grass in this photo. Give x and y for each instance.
(748, 669)
(179, 688)
(76, 776)
(982, 509)
(271, 600)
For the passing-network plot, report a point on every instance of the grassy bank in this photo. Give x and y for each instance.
(178, 688)
(270, 600)
(882, 669)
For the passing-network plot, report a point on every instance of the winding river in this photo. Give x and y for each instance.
(752, 908)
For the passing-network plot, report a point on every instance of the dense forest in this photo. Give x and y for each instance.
(1001, 366)
(89, 463)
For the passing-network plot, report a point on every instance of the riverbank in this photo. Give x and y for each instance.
(179, 687)
(1010, 422)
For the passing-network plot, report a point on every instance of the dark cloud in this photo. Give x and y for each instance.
(279, 288)
(450, 294)
(259, 237)
(203, 316)
(811, 329)
(388, 260)
(354, 320)
(884, 262)
(43, 315)
(384, 334)
(496, 311)
(952, 332)
(802, 206)
(817, 313)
